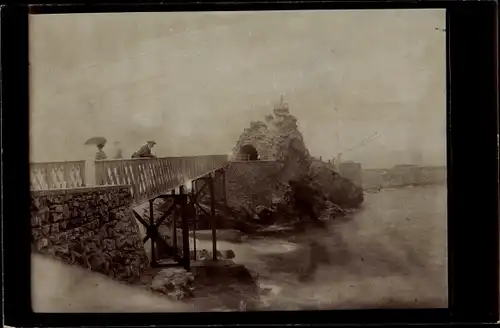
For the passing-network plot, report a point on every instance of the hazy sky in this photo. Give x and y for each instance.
(194, 81)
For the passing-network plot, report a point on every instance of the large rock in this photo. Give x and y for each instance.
(203, 254)
(276, 139)
(279, 139)
(334, 187)
(176, 283)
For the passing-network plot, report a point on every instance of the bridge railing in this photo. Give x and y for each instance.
(150, 177)
(57, 175)
(147, 177)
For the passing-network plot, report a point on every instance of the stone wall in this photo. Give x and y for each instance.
(89, 227)
(250, 184)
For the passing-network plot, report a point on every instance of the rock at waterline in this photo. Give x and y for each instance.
(229, 254)
(176, 283)
(337, 189)
(204, 254)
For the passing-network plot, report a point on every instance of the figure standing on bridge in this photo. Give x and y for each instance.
(100, 142)
(145, 151)
(100, 155)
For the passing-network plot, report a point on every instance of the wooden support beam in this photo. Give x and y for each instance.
(151, 226)
(185, 230)
(195, 208)
(213, 218)
(167, 213)
(174, 225)
(198, 192)
(224, 195)
(141, 220)
(202, 209)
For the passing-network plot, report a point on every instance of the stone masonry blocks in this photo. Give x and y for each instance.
(90, 227)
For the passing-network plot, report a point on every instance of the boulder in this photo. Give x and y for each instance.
(335, 188)
(203, 254)
(229, 254)
(176, 283)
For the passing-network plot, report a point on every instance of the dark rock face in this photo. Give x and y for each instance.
(89, 227)
(335, 188)
(250, 184)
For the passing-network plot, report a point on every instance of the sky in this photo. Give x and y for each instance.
(194, 81)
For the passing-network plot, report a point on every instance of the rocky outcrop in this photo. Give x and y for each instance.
(336, 188)
(276, 139)
(89, 227)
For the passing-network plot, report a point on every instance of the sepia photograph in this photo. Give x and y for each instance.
(238, 161)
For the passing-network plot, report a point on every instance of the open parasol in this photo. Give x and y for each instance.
(96, 141)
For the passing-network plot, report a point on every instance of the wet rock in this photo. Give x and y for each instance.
(337, 189)
(265, 290)
(176, 283)
(229, 254)
(204, 254)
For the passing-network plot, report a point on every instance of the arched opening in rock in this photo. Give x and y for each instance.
(248, 153)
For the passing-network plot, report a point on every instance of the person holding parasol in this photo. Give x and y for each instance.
(100, 142)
